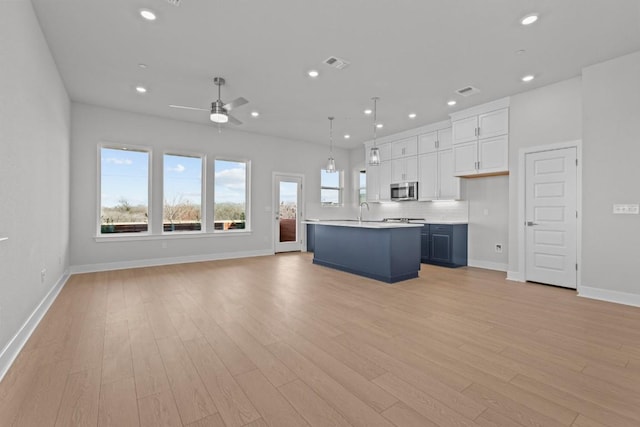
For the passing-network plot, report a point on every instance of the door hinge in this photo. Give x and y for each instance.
(576, 267)
(576, 214)
(576, 162)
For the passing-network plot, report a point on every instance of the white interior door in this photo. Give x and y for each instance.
(287, 213)
(551, 217)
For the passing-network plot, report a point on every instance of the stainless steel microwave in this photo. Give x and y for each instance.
(404, 191)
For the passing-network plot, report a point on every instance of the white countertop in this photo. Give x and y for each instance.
(440, 221)
(363, 224)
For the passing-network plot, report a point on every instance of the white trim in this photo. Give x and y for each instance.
(12, 349)
(487, 107)
(515, 276)
(488, 265)
(2, 239)
(121, 265)
(610, 296)
(441, 125)
(137, 237)
(577, 144)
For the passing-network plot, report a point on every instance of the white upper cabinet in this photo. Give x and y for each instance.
(448, 184)
(481, 140)
(428, 185)
(404, 148)
(404, 170)
(434, 141)
(494, 123)
(465, 130)
(385, 181)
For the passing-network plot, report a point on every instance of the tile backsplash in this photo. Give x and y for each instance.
(430, 211)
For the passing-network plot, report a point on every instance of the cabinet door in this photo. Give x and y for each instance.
(373, 183)
(494, 123)
(445, 138)
(449, 185)
(427, 143)
(440, 246)
(424, 244)
(428, 182)
(385, 181)
(464, 130)
(493, 154)
(465, 157)
(397, 170)
(411, 169)
(404, 147)
(385, 151)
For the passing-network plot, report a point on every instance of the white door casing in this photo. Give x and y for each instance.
(287, 195)
(551, 225)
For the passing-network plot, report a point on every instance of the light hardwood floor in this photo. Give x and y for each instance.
(277, 341)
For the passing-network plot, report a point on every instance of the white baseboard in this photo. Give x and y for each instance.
(498, 266)
(516, 276)
(121, 265)
(610, 296)
(12, 349)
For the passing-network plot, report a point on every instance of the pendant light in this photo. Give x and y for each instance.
(374, 154)
(331, 163)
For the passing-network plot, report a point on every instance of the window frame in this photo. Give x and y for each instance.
(98, 219)
(203, 188)
(360, 187)
(247, 194)
(340, 189)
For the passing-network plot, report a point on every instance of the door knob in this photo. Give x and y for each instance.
(531, 223)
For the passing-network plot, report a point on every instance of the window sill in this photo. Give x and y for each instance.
(135, 237)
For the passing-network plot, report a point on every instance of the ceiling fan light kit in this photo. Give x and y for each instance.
(219, 112)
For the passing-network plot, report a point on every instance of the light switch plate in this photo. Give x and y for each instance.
(633, 209)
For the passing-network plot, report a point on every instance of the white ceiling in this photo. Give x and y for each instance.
(413, 54)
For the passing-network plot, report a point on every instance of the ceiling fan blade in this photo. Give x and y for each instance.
(184, 107)
(235, 103)
(234, 120)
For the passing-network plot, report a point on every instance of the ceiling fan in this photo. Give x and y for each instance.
(219, 110)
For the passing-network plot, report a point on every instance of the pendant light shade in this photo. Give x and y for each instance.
(374, 154)
(331, 163)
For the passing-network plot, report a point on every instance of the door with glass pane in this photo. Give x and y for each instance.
(287, 213)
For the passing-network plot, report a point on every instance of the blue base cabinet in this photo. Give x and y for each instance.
(444, 244)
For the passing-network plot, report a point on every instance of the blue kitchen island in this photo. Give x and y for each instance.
(389, 252)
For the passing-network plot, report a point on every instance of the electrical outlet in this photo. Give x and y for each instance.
(43, 275)
(632, 209)
(499, 248)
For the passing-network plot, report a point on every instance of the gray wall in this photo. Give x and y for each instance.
(611, 116)
(34, 168)
(488, 200)
(93, 125)
(547, 115)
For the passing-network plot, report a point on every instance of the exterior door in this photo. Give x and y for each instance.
(287, 213)
(551, 210)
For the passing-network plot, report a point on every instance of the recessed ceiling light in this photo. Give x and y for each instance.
(529, 19)
(143, 66)
(528, 78)
(148, 15)
(368, 111)
(254, 114)
(379, 125)
(141, 89)
(347, 136)
(412, 115)
(313, 73)
(451, 103)
(520, 52)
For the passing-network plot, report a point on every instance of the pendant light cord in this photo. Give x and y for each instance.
(375, 119)
(331, 136)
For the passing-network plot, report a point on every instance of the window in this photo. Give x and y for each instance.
(330, 188)
(124, 190)
(230, 198)
(362, 189)
(182, 208)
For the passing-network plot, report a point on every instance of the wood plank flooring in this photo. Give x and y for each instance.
(278, 341)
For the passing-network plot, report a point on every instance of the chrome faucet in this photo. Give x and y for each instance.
(362, 204)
